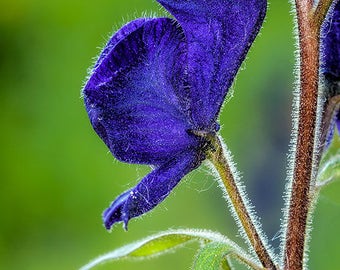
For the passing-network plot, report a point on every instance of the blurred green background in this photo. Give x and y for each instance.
(57, 176)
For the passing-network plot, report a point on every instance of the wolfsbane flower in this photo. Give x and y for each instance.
(330, 64)
(158, 87)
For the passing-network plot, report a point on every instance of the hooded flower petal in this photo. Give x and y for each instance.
(158, 82)
(152, 189)
(133, 97)
(219, 34)
(100, 73)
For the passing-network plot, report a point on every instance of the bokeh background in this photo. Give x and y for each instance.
(57, 176)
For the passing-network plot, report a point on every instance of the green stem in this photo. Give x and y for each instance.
(218, 159)
(247, 262)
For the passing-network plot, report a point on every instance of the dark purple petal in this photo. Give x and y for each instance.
(134, 95)
(330, 52)
(152, 189)
(99, 73)
(331, 43)
(219, 34)
(330, 64)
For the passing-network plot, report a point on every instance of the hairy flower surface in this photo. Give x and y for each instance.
(160, 82)
(330, 66)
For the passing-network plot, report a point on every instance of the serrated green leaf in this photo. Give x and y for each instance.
(161, 243)
(213, 257)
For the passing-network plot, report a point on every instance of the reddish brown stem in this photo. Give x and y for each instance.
(309, 24)
(302, 174)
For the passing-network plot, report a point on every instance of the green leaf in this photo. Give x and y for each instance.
(329, 170)
(226, 265)
(213, 257)
(163, 242)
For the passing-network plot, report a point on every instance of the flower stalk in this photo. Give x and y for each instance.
(306, 147)
(321, 10)
(221, 163)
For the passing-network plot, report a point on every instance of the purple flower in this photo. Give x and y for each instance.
(159, 82)
(330, 65)
(331, 43)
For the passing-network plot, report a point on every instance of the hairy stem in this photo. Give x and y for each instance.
(247, 262)
(321, 11)
(309, 24)
(217, 157)
(302, 174)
